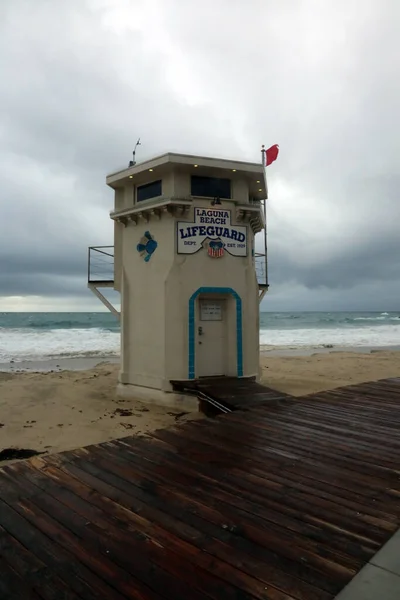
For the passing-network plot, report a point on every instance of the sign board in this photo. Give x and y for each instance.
(210, 311)
(210, 225)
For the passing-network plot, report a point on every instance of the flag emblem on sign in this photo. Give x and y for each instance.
(215, 248)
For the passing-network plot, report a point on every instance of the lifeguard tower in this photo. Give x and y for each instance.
(190, 276)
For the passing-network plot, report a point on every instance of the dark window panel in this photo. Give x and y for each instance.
(210, 187)
(149, 190)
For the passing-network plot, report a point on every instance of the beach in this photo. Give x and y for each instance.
(60, 410)
(54, 408)
(58, 371)
(311, 373)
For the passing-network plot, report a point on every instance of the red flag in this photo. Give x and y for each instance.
(271, 154)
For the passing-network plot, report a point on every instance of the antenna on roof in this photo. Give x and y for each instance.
(132, 163)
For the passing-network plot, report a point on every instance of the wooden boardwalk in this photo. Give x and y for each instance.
(230, 393)
(286, 501)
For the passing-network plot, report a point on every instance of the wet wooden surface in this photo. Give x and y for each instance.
(231, 392)
(286, 501)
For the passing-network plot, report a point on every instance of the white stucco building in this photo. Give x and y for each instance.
(185, 265)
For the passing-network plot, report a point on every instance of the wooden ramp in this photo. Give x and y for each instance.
(230, 393)
(286, 501)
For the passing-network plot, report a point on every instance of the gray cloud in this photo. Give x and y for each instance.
(81, 80)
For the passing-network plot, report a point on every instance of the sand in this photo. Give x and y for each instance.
(66, 409)
(63, 410)
(301, 375)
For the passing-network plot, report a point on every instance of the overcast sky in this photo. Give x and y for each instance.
(82, 79)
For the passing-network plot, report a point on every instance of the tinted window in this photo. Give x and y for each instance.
(149, 190)
(210, 187)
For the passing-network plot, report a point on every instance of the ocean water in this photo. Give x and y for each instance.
(40, 336)
(319, 329)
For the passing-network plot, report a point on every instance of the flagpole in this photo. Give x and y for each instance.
(265, 242)
(264, 163)
(267, 157)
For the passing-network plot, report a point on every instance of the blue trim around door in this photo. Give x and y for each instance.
(192, 325)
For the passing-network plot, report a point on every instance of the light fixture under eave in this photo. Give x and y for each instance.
(260, 190)
(130, 176)
(258, 181)
(150, 169)
(233, 170)
(195, 165)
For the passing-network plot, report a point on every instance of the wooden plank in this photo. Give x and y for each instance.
(383, 386)
(295, 452)
(272, 543)
(233, 392)
(362, 395)
(243, 511)
(81, 553)
(301, 440)
(349, 415)
(339, 496)
(190, 547)
(242, 399)
(206, 582)
(274, 430)
(64, 565)
(32, 570)
(293, 418)
(148, 557)
(296, 469)
(12, 587)
(268, 504)
(228, 450)
(216, 476)
(338, 406)
(345, 519)
(169, 517)
(326, 409)
(95, 532)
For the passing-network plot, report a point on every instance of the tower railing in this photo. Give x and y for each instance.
(260, 264)
(261, 258)
(101, 265)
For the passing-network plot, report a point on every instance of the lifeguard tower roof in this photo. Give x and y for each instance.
(160, 165)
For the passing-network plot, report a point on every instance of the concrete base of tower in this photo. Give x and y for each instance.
(149, 395)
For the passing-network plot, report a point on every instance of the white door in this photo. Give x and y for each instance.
(211, 347)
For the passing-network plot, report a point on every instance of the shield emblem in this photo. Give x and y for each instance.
(215, 249)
